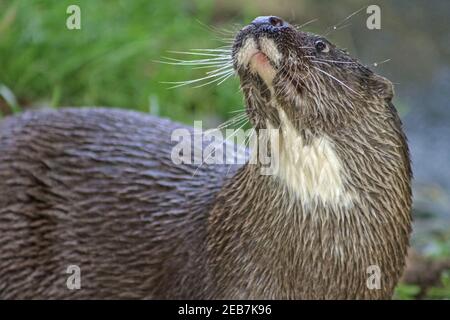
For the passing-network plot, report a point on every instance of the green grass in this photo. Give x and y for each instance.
(111, 60)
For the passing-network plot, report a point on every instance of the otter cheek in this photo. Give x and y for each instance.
(261, 65)
(249, 48)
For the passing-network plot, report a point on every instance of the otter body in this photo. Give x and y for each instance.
(98, 189)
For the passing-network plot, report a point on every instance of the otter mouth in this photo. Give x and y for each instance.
(259, 57)
(255, 49)
(262, 65)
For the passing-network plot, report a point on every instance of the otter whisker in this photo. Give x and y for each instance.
(206, 60)
(201, 65)
(225, 125)
(242, 124)
(339, 24)
(332, 61)
(214, 61)
(216, 30)
(225, 66)
(227, 41)
(217, 59)
(321, 62)
(209, 66)
(201, 54)
(376, 64)
(239, 110)
(222, 72)
(282, 67)
(242, 120)
(218, 76)
(318, 89)
(305, 24)
(228, 51)
(243, 152)
(248, 137)
(232, 121)
(226, 46)
(246, 145)
(219, 80)
(336, 79)
(225, 79)
(286, 78)
(342, 27)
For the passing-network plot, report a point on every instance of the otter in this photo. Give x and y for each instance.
(97, 188)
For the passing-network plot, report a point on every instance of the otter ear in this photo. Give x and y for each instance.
(383, 87)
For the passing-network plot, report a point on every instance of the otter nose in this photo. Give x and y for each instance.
(269, 21)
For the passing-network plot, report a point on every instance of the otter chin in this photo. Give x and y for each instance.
(260, 64)
(99, 188)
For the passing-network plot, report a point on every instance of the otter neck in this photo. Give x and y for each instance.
(305, 162)
(289, 250)
(307, 231)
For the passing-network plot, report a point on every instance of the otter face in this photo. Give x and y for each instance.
(302, 73)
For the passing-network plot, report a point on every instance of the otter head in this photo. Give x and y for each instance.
(336, 117)
(316, 85)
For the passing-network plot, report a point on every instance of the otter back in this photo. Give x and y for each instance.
(96, 188)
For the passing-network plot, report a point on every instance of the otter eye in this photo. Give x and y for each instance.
(321, 46)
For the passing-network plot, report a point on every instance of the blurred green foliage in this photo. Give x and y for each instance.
(442, 292)
(405, 291)
(111, 60)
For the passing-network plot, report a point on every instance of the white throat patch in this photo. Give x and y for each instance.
(313, 171)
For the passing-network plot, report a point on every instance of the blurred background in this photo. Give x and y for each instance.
(111, 62)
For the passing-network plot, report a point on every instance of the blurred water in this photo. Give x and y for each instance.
(428, 129)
